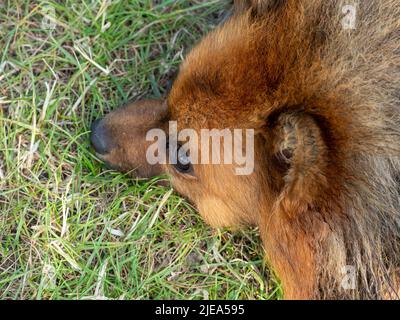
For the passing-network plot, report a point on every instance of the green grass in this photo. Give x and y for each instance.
(70, 229)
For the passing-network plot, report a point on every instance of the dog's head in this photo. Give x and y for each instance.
(227, 83)
(308, 129)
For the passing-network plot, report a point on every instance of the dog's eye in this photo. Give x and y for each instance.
(183, 164)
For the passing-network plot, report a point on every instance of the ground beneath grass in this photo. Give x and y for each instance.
(70, 229)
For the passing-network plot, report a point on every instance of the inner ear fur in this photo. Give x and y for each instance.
(298, 154)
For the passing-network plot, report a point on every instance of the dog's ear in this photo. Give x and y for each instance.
(257, 7)
(298, 156)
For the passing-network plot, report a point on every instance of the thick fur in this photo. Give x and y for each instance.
(325, 103)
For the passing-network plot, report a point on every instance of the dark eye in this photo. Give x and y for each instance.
(183, 164)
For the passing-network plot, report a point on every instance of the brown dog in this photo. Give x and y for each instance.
(319, 82)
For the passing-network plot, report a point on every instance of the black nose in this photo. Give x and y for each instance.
(99, 137)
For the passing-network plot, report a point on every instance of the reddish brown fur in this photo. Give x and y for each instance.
(325, 105)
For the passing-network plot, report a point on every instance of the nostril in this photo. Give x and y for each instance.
(99, 137)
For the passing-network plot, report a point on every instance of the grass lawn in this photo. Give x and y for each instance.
(69, 228)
